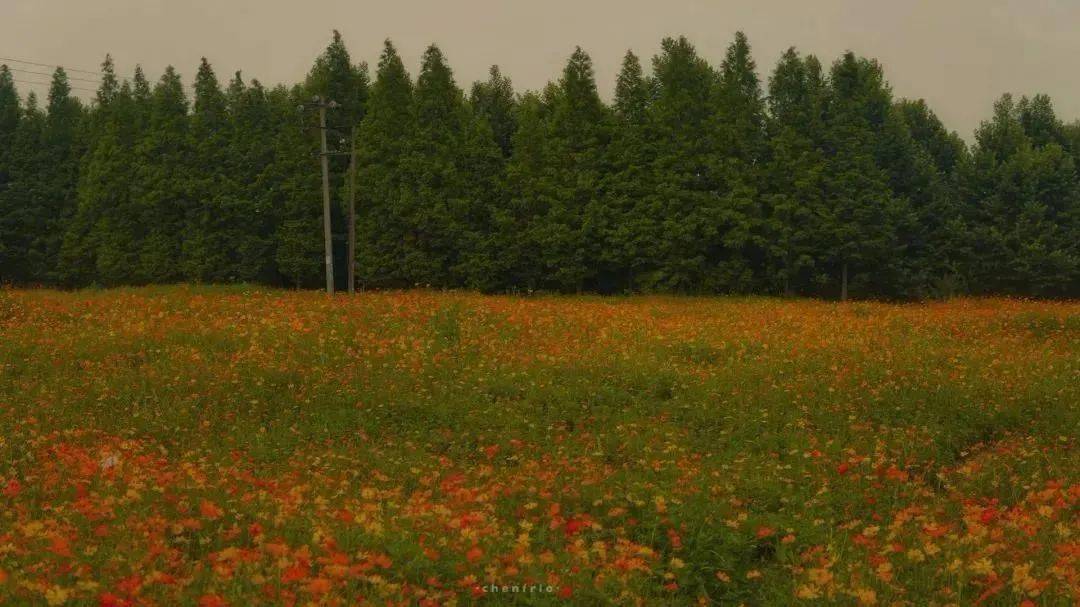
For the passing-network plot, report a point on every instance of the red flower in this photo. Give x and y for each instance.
(574, 526)
(12, 488)
(108, 599)
(298, 571)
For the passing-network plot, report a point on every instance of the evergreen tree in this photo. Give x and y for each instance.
(254, 215)
(19, 216)
(10, 113)
(630, 229)
(99, 241)
(448, 183)
(294, 186)
(160, 194)
(382, 225)
(206, 252)
(494, 102)
(62, 149)
(794, 176)
(567, 232)
(946, 149)
(1023, 202)
(862, 215)
(738, 126)
(334, 78)
(528, 193)
(683, 199)
(1039, 121)
(41, 171)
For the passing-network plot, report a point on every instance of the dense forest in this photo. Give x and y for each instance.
(698, 178)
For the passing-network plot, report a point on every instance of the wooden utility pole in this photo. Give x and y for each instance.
(352, 214)
(327, 236)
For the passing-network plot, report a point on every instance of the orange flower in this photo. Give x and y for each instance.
(210, 510)
(318, 585)
(212, 600)
(296, 572)
(108, 599)
(474, 554)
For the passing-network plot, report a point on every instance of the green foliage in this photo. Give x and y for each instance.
(382, 148)
(693, 180)
(39, 165)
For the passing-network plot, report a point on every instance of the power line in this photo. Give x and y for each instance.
(74, 88)
(15, 69)
(69, 69)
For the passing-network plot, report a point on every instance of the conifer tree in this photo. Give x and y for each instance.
(334, 78)
(293, 185)
(859, 226)
(38, 198)
(630, 228)
(61, 150)
(252, 153)
(382, 225)
(736, 159)
(206, 250)
(19, 196)
(946, 149)
(1022, 201)
(793, 177)
(447, 182)
(683, 199)
(494, 102)
(10, 113)
(160, 195)
(568, 233)
(99, 241)
(527, 196)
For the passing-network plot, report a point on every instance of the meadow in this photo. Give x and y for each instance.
(217, 446)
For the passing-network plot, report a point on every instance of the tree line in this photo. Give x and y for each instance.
(697, 178)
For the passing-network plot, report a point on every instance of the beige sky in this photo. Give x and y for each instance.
(959, 55)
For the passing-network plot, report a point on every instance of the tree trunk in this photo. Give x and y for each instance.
(843, 283)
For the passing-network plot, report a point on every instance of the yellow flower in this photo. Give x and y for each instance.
(57, 595)
(983, 566)
(819, 576)
(866, 596)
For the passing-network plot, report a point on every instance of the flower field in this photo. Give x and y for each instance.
(231, 446)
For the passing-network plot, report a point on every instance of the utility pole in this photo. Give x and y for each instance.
(324, 156)
(352, 214)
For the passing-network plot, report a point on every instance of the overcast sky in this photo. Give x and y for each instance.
(959, 55)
